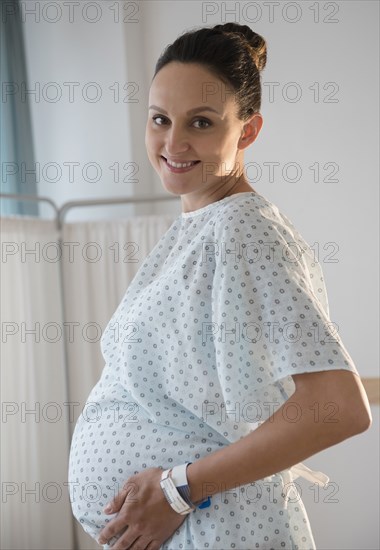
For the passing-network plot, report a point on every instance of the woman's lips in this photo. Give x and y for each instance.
(180, 170)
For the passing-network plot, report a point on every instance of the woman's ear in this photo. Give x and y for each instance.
(250, 131)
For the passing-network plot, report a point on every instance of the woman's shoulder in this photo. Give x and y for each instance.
(253, 226)
(253, 213)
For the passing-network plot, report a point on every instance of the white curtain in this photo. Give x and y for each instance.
(58, 291)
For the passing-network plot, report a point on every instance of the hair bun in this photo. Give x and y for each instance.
(255, 43)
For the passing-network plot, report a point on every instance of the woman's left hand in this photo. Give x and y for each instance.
(142, 508)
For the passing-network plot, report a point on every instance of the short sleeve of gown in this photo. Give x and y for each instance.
(270, 310)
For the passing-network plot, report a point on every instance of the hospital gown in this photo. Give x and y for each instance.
(228, 305)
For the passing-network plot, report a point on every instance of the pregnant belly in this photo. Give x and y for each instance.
(110, 444)
(115, 439)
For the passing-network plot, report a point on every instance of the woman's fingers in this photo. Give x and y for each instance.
(113, 528)
(154, 545)
(127, 541)
(118, 501)
(140, 543)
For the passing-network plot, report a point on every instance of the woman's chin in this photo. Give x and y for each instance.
(175, 188)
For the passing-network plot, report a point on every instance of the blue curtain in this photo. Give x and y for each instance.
(16, 141)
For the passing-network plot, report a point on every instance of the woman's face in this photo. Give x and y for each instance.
(192, 118)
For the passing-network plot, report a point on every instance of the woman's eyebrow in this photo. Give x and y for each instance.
(192, 111)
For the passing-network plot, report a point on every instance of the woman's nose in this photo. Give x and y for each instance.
(176, 140)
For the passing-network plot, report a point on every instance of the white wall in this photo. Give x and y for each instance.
(312, 131)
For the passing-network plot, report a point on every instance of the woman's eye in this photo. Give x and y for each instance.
(155, 118)
(204, 121)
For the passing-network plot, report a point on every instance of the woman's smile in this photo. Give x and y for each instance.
(178, 167)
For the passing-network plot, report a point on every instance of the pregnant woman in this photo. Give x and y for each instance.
(234, 373)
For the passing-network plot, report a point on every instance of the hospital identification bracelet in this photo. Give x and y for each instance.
(176, 490)
(173, 497)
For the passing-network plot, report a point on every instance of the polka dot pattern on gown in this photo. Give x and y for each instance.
(228, 305)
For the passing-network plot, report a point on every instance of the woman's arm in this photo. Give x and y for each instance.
(331, 406)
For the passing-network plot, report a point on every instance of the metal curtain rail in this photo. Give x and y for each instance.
(61, 212)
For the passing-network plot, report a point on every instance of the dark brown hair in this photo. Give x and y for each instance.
(233, 52)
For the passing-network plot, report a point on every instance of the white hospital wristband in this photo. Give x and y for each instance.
(172, 495)
(179, 476)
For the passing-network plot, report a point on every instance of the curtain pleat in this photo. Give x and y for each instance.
(34, 434)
